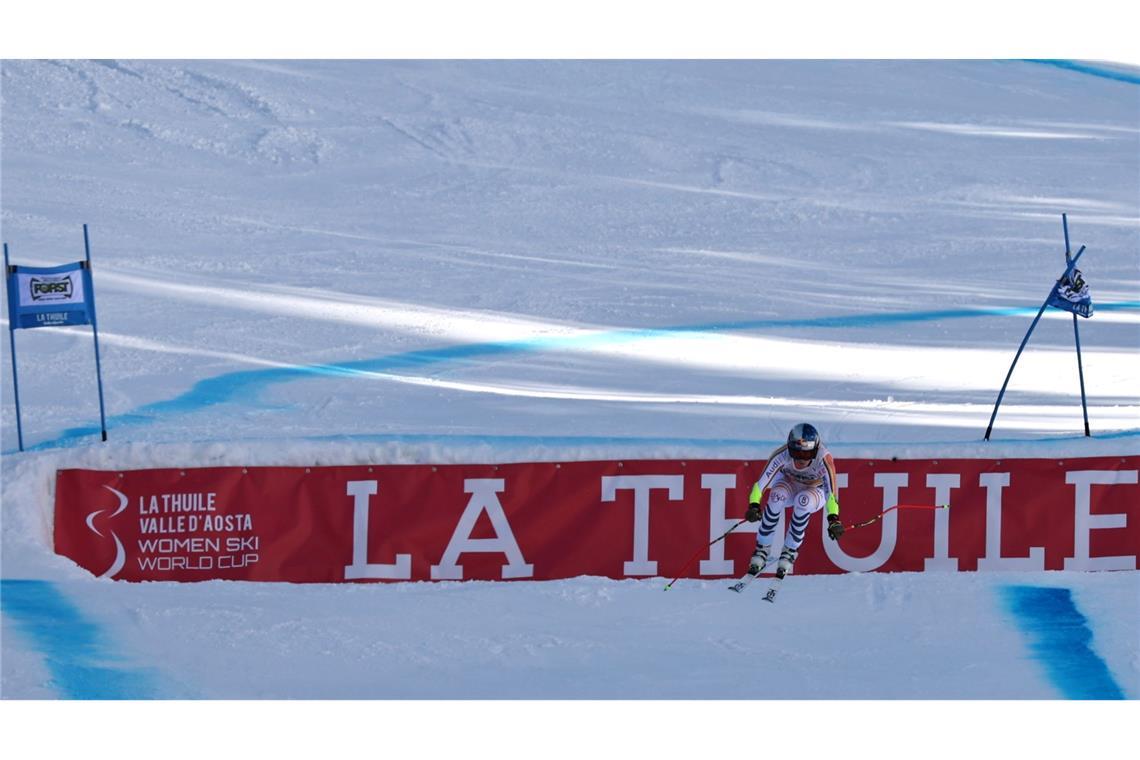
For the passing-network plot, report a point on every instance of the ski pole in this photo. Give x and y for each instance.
(699, 551)
(879, 516)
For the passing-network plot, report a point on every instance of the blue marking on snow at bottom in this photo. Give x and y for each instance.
(1059, 638)
(244, 386)
(76, 651)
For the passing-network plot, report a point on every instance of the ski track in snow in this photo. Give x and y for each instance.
(245, 387)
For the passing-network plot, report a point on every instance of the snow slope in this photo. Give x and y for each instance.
(332, 262)
(533, 240)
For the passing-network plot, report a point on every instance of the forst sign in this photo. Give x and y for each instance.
(50, 296)
(544, 521)
(52, 288)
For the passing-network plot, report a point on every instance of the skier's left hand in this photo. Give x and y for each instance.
(834, 527)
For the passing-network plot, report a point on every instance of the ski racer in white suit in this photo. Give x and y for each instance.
(800, 475)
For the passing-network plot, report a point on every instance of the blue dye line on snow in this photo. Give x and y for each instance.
(76, 651)
(566, 441)
(763, 445)
(1084, 68)
(244, 386)
(1059, 638)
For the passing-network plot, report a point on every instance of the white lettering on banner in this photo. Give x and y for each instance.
(193, 512)
(226, 523)
(192, 523)
(484, 496)
(361, 492)
(180, 545)
(169, 503)
(994, 482)
(942, 483)
(167, 564)
(179, 524)
(202, 562)
(717, 485)
(1086, 521)
(890, 482)
(237, 544)
(641, 486)
(227, 561)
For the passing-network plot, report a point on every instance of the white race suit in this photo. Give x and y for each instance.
(806, 490)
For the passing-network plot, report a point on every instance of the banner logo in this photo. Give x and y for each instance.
(120, 552)
(1072, 294)
(51, 288)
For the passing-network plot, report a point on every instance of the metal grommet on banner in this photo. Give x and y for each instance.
(1061, 462)
(433, 469)
(182, 474)
(121, 474)
(370, 469)
(620, 464)
(307, 470)
(558, 466)
(682, 464)
(244, 470)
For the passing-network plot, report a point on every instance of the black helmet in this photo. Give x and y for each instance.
(803, 442)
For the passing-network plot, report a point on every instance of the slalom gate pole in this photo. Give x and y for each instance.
(880, 516)
(1081, 373)
(15, 374)
(702, 549)
(1044, 306)
(1077, 335)
(95, 335)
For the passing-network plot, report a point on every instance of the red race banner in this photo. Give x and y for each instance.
(543, 521)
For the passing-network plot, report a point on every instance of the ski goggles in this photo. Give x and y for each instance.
(803, 456)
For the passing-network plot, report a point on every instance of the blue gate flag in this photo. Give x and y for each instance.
(1071, 293)
(50, 296)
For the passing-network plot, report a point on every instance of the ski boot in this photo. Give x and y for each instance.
(759, 560)
(787, 559)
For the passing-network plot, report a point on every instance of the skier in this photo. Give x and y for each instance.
(800, 474)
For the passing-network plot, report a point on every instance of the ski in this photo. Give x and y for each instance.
(742, 584)
(773, 587)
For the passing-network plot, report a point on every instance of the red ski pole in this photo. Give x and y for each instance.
(879, 516)
(699, 551)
